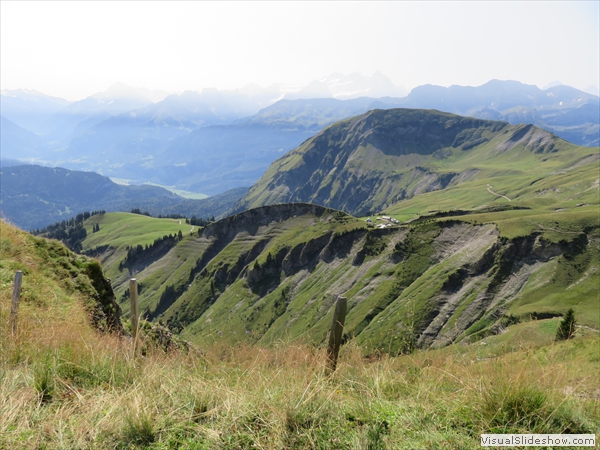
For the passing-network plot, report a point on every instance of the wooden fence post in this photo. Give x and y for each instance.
(133, 295)
(16, 297)
(335, 335)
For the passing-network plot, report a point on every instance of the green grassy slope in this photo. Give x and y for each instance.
(567, 178)
(373, 161)
(64, 388)
(481, 291)
(274, 273)
(57, 285)
(121, 230)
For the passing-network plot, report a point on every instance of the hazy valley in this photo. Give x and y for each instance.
(213, 141)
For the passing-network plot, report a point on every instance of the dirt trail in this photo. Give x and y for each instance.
(489, 188)
(595, 184)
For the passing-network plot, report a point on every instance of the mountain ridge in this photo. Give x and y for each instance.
(349, 164)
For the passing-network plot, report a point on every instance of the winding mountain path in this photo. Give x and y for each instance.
(489, 188)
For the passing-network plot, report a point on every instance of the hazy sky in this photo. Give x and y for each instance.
(75, 49)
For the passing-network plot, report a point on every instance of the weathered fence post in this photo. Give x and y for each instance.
(337, 326)
(14, 309)
(133, 295)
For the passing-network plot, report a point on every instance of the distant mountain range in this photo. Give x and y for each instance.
(344, 87)
(360, 165)
(570, 113)
(213, 141)
(29, 109)
(17, 142)
(211, 159)
(35, 196)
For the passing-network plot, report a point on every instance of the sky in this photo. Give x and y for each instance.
(75, 49)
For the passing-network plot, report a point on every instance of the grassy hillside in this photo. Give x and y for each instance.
(371, 162)
(64, 384)
(502, 221)
(274, 273)
(242, 398)
(450, 332)
(121, 230)
(65, 285)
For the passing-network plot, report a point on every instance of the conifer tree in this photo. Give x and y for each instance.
(566, 329)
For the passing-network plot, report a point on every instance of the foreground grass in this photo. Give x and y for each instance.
(73, 391)
(65, 386)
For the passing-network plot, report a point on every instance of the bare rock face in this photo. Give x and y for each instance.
(504, 266)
